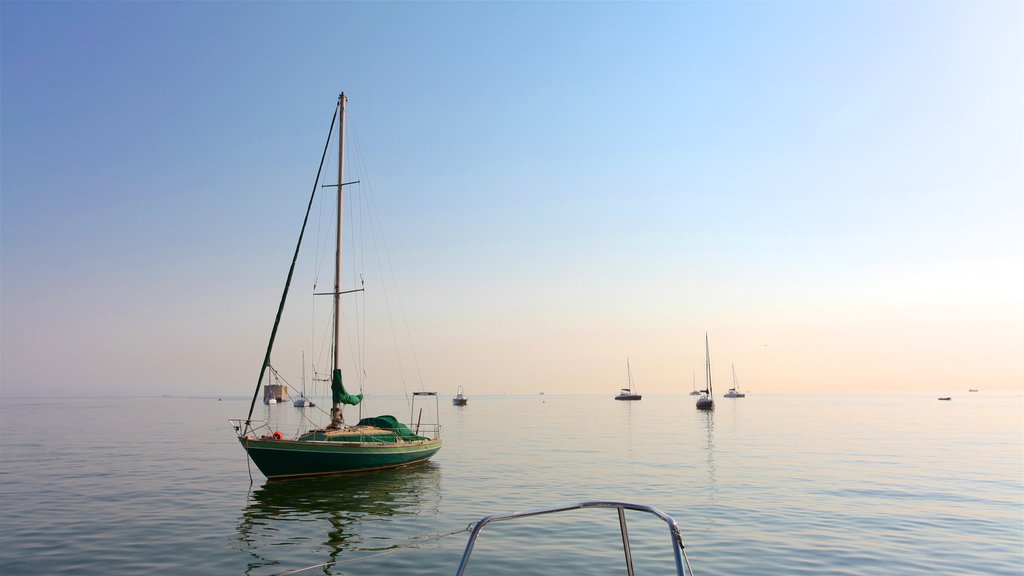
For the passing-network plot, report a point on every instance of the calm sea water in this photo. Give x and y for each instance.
(791, 484)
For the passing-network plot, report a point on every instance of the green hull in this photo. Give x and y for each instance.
(292, 458)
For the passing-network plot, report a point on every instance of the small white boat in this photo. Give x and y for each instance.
(460, 398)
(695, 392)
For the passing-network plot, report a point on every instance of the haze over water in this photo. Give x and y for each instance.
(831, 189)
(898, 484)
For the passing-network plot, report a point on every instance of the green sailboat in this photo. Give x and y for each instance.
(372, 443)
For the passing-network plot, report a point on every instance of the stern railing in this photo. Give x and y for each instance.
(678, 550)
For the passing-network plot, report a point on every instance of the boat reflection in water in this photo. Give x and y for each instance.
(331, 520)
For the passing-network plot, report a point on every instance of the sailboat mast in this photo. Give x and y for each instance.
(336, 387)
(337, 263)
(707, 359)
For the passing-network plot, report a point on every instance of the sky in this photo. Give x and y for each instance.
(833, 192)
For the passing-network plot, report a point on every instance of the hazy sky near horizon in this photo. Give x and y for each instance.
(833, 191)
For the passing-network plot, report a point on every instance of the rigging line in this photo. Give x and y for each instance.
(319, 253)
(321, 248)
(357, 343)
(291, 270)
(387, 255)
(371, 204)
(356, 347)
(365, 207)
(398, 295)
(359, 202)
(391, 320)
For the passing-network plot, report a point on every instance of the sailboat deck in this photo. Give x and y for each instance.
(360, 435)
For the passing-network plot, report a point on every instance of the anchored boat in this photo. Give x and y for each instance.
(734, 392)
(372, 443)
(694, 392)
(707, 399)
(628, 392)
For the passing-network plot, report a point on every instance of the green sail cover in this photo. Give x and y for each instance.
(391, 423)
(338, 393)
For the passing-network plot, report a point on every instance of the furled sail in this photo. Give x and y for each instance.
(338, 393)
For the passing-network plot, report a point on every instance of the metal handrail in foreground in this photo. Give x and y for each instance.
(678, 549)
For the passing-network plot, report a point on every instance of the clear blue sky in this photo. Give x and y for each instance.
(833, 190)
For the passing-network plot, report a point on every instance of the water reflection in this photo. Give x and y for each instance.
(709, 424)
(304, 522)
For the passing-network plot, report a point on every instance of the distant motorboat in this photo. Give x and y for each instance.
(945, 398)
(734, 392)
(627, 393)
(460, 398)
(972, 390)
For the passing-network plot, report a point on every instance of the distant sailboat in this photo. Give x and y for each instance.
(695, 391)
(734, 392)
(627, 393)
(302, 401)
(707, 399)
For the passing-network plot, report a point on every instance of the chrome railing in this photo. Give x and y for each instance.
(678, 550)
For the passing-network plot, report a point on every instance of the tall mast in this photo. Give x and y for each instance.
(336, 386)
(707, 357)
(337, 264)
